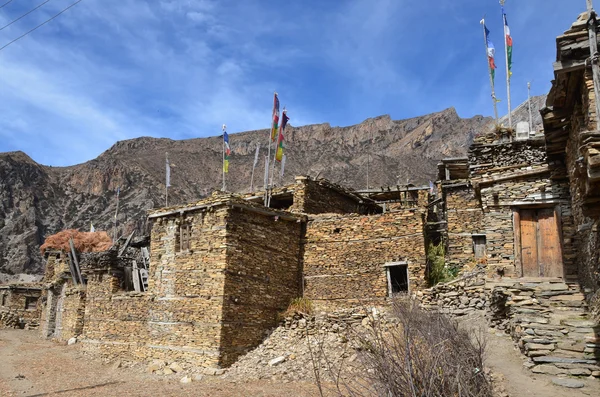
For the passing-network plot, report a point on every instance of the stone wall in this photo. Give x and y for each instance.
(345, 256)
(208, 302)
(550, 323)
(465, 218)
(263, 274)
(14, 309)
(587, 238)
(459, 297)
(547, 318)
(320, 196)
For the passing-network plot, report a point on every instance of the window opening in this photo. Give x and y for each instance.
(183, 242)
(3, 299)
(397, 275)
(31, 302)
(479, 246)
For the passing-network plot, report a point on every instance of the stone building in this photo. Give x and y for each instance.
(508, 207)
(572, 137)
(221, 270)
(20, 305)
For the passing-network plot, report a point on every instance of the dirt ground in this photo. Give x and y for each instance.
(33, 367)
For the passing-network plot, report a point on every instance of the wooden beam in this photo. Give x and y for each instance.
(75, 261)
(124, 247)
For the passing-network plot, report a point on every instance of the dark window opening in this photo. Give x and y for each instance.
(337, 230)
(282, 203)
(3, 299)
(398, 278)
(31, 302)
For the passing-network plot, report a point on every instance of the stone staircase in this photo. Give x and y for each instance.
(549, 320)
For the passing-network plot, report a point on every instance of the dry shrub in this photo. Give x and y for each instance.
(421, 354)
(83, 241)
(299, 305)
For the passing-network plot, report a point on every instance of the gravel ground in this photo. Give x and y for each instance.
(30, 366)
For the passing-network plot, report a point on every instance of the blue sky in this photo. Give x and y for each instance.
(109, 70)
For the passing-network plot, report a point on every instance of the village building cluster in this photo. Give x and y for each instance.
(518, 219)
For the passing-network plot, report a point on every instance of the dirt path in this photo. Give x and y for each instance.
(33, 367)
(504, 358)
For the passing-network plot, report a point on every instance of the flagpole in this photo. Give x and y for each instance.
(116, 214)
(281, 126)
(529, 102)
(168, 179)
(269, 142)
(253, 167)
(593, 43)
(482, 22)
(224, 130)
(507, 70)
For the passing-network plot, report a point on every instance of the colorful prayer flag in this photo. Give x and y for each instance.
(284, 120)
(491, 52)
(275, 125)
(227, 152)
(509, 43)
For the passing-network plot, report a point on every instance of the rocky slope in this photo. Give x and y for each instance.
(37, 201)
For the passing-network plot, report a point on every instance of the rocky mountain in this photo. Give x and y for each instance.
(37, 201)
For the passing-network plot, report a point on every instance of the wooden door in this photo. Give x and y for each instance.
(550, 254)
(541, 254)
(529, 250)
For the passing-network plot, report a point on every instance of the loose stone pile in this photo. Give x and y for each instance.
(305, 342)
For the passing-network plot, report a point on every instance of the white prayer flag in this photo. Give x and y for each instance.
(256, 155)
(168, 181)
(283, 165)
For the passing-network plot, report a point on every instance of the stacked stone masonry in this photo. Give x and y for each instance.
(345, 257)
(20, 306)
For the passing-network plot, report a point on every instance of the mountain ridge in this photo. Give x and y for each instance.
(37, 200)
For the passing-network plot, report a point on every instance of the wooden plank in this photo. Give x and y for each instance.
(529, 243)
(124, 247)
(75, 262)
(550, 255)
(135, 275)
(517, 241)
(72, 269)
(479, 246)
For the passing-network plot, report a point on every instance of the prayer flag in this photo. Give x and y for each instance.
(491, 52)
(168, 174)
(275, 126)
(509, 43)
(256, 155)
(227, 151)
(279, 153)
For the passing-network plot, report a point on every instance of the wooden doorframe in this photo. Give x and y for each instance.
(517, 231)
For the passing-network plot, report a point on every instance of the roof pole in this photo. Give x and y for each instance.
(592, 26)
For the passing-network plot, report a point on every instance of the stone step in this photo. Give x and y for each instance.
(563, 360)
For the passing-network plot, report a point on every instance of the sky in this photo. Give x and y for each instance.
(109, 70)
